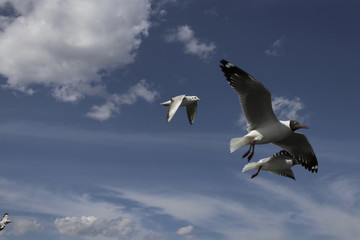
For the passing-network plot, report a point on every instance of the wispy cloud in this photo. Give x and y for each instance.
(286, 108)
(37, 130)
(77, 215)
(226, 217)
(288, 211)
(65, 46)
(275, 49)
(188, 232)
(140, 90)
(334, 219)
(192, 45)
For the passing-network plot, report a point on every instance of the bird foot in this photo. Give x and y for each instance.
(252, 145)
(247, 153)
(250, 156)
(252, 149)
(254, 175)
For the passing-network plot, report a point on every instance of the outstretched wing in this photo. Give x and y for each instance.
(191, 112)
(5, 217)
(174, 105)
(299, 147)
(254, 98)
(286, 173)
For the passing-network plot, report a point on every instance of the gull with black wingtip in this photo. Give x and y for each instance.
(280, 163)
(263, 125)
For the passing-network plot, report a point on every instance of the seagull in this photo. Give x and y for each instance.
(263, 125)
(179, 101)
(280, 163)
(4, 221)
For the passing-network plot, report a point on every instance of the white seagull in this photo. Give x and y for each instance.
(4, 221)
(263, 126)
(179, 101)
(280, 163)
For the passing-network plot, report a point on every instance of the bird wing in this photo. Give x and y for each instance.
(254, 98)
(191, 112)
(299, 147)
(3, 219)
(286, 173)
(174, 105)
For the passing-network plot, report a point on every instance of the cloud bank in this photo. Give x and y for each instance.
(77, 215)
(64, 45)
(333, 212)
(92, 227)
(192, 45)
(328, 214)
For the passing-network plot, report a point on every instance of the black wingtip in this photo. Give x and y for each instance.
(313, 169)
(223, 62)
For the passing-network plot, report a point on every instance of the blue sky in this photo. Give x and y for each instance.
(85, 149)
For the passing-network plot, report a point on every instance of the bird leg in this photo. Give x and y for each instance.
(254, 175)
(252, 153)
(252, 146)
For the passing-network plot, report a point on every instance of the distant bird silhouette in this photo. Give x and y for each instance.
(190, 102)
(263, 126)
(4, 221)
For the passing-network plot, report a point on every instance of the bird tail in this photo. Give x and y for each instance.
(251, 166)
(236, 143)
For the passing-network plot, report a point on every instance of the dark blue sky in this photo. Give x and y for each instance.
(85, 149)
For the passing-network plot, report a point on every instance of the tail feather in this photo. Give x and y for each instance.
(236, 143)
(251, 166)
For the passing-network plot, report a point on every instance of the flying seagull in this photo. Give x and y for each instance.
(4, 221)
(280, 163)
(263, 125)
(179, 101)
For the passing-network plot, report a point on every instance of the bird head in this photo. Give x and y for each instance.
(294, 125)
(195, 98)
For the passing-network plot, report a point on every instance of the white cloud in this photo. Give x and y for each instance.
(187, 231)
(284, 108)
(186, 35)
(276, 48)
(140, 90)
(103, 112)
(62, 45)
(122, 228)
